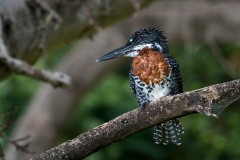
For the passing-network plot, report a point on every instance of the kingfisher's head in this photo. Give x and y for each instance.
(145, 38)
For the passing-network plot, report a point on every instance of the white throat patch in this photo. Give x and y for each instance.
(137, 49)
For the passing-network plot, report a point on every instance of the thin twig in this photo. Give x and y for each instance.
(20, 147)
(7, 122)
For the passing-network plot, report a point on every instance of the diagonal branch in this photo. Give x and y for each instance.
(57, 79)
(210, 101)
(18, 66)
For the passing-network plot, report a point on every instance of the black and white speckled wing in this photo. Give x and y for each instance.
(176, 84)
(138, 88)
(132, 82)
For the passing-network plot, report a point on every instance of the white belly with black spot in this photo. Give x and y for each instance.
(158, 92)
(148, 93)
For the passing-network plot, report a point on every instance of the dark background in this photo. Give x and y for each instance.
(205, 59)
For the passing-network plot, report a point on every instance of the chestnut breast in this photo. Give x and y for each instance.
(150, 66)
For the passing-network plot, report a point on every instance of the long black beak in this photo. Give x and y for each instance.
(116, 53)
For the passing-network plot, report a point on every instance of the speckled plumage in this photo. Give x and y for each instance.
(146, 93)
(152, 76)
(172, 84)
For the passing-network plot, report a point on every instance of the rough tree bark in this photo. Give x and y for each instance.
(190, 17)
(210, 101)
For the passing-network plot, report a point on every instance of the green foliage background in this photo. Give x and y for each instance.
(204, 138)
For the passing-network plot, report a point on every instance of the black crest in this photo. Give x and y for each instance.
(151, 36)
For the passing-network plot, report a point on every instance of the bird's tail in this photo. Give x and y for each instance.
(168, 131)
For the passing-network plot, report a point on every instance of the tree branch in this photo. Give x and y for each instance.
(18, 66)
(210, 101)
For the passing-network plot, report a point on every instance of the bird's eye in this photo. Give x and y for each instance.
(130, 40)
